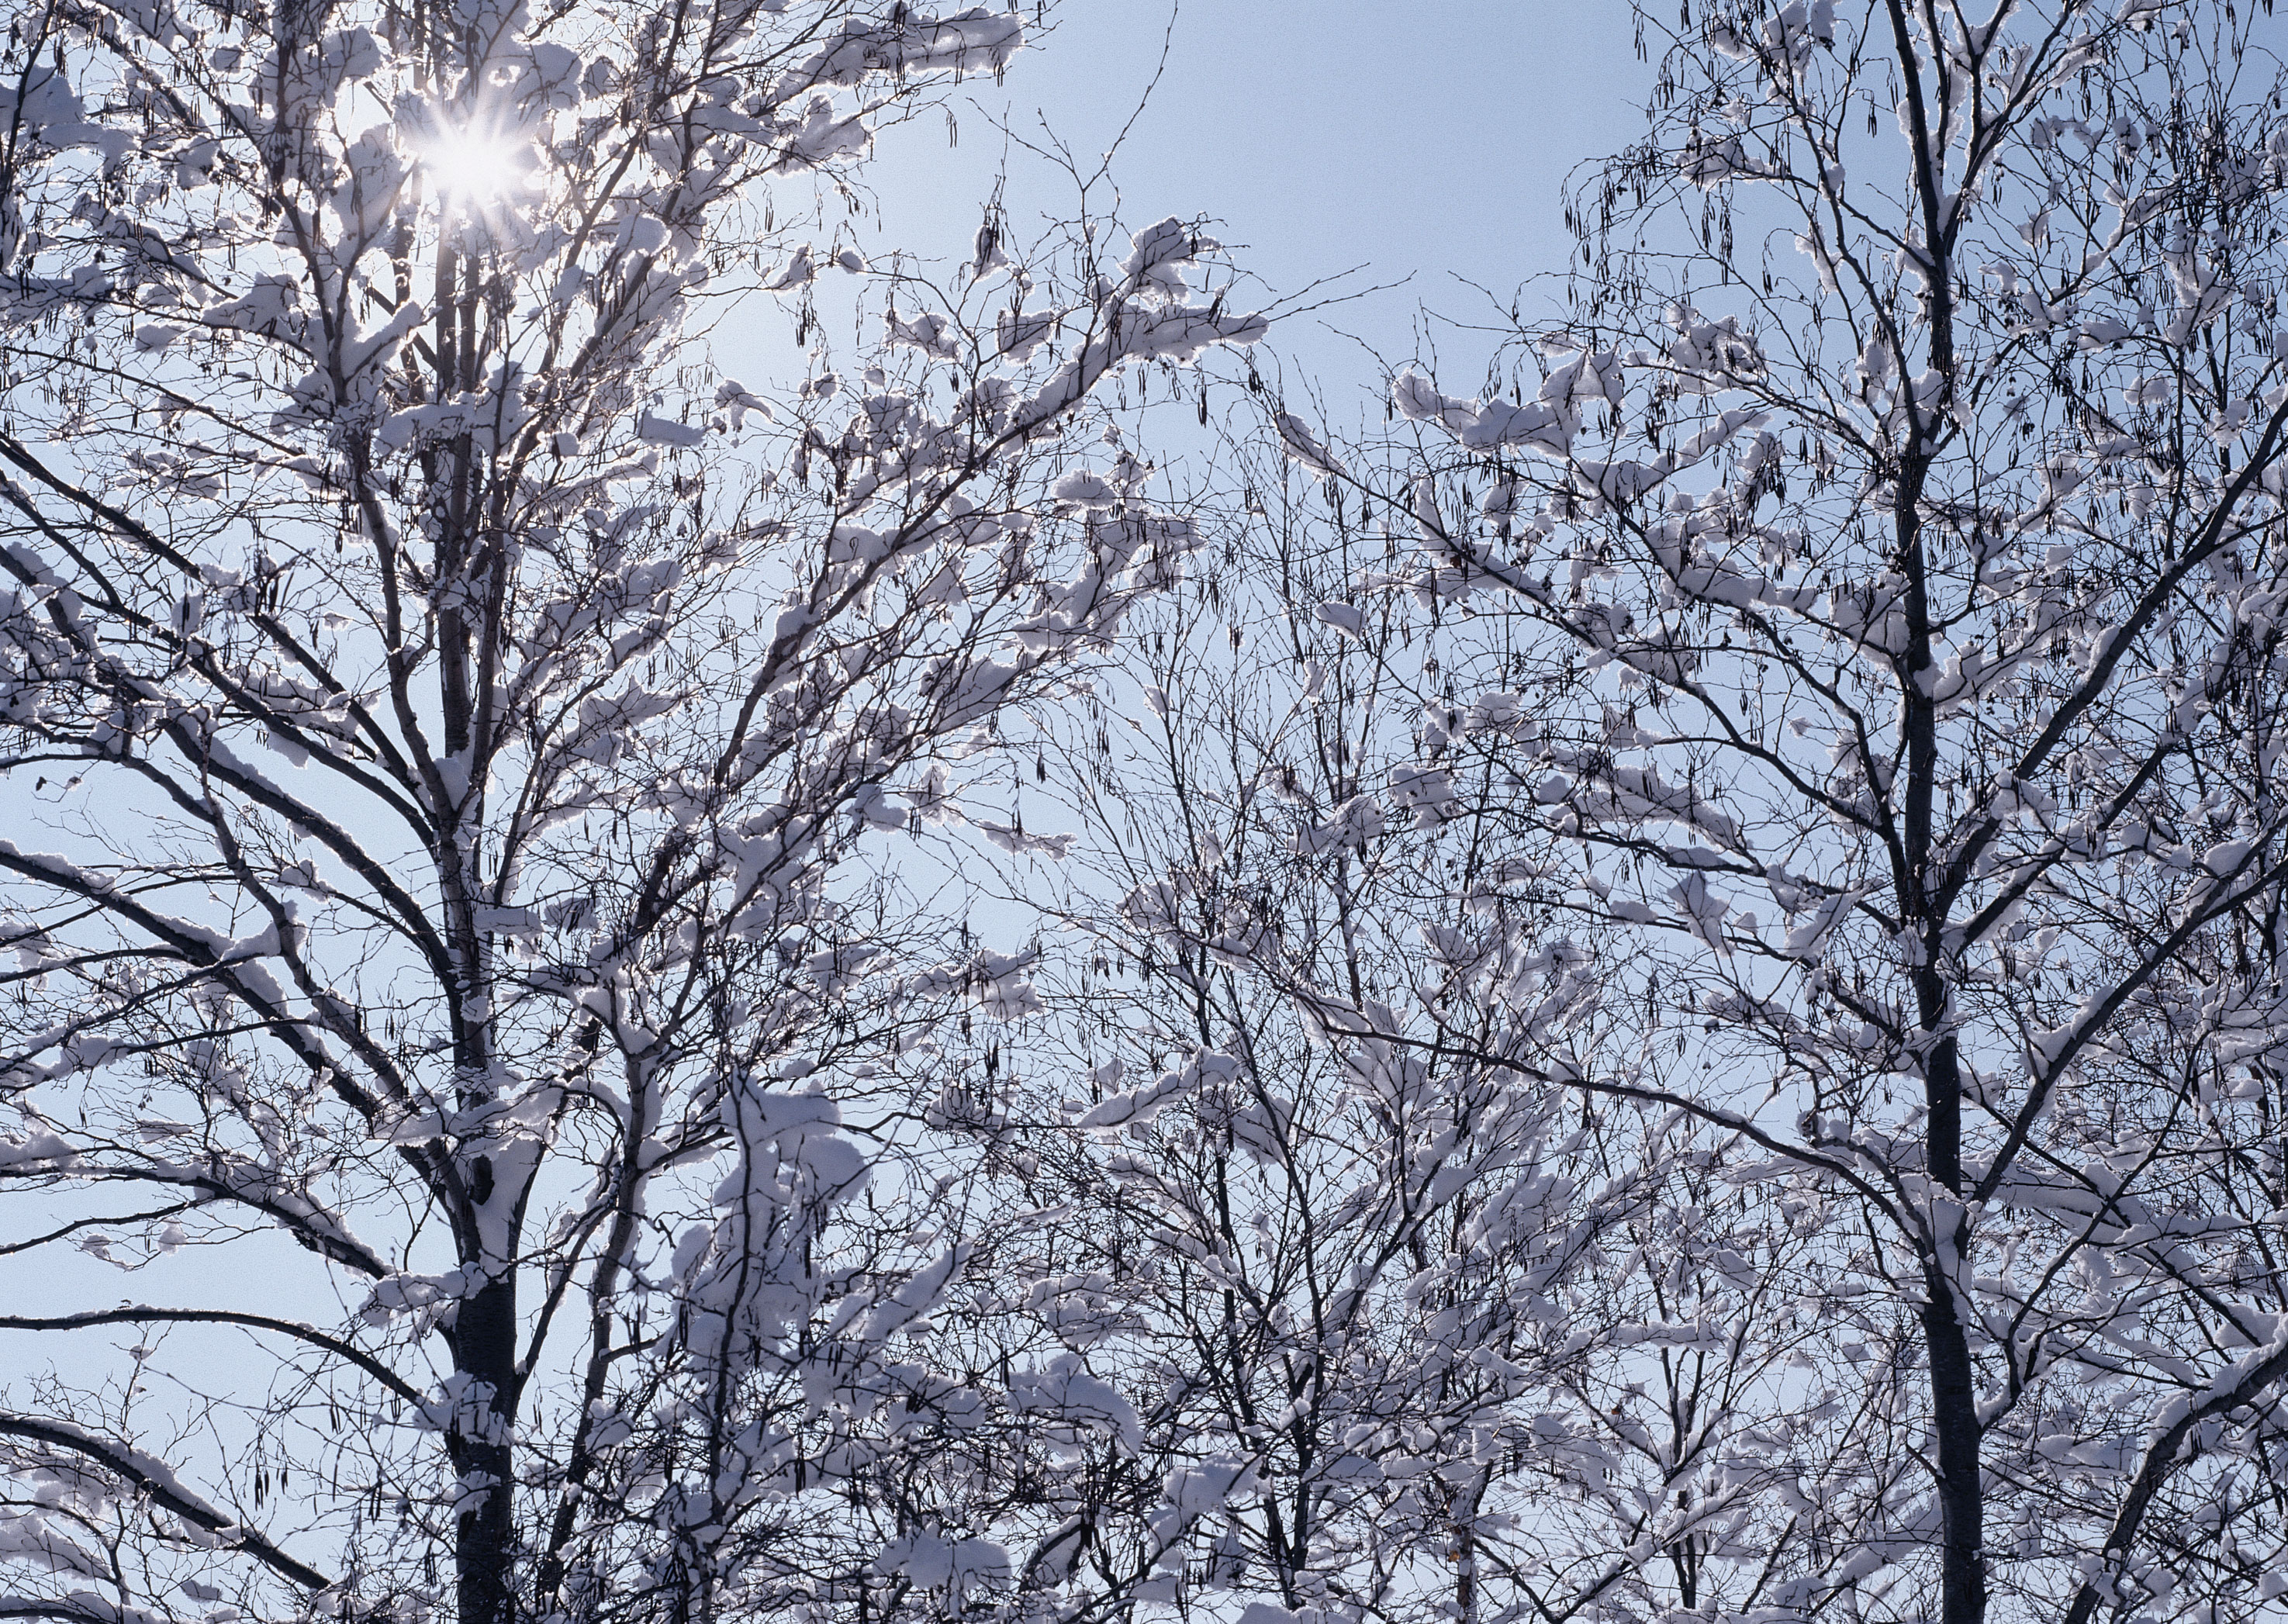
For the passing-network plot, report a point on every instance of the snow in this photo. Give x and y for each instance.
(1138, 1106)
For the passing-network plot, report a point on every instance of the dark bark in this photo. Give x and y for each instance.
(1954, 1397)
(484, 1544)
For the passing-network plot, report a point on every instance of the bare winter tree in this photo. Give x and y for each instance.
(1862, 651)
(1399, 1323)
(1330, 1297)
(441, 717)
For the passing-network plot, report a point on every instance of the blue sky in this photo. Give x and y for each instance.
(1422, 140)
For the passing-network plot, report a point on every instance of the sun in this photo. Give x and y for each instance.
(475, 166)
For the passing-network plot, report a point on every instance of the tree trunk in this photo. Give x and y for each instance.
(1962, 1496)
(484, 1544)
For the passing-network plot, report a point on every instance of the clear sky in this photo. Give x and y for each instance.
(1422, 140)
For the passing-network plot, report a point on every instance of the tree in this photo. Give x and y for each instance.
(455, 712)
(1331, 1296)
(1862, 651)
(1402, 1325)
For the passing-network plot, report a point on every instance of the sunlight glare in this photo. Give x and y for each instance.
(477, 166)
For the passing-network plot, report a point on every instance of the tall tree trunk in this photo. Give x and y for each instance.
(1954, 1398)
